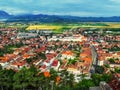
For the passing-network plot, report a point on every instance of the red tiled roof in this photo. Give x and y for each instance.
(44, 66)
(21, 63)
(55, 63)
(47, 60)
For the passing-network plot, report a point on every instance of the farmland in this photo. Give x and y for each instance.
(61, 27)
(75, 25)
(65, 25)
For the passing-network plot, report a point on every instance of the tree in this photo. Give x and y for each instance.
(41, 81)
(106, 77)
(99, 69)
(0, 32)
(9, 78)
(112, 60)
(0, 67)
(6, 79)
(67, 79)
(85, 84)
(29, 60)
(117, 70)
(31, 78)
(2, 79)
(20, 79)
(96, 79)
(42, 55)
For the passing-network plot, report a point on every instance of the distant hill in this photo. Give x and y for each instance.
(39, 17)
(55, 18)
(58, 18)
(4, 15)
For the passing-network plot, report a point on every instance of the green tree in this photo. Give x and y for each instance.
(67, 79)
(0, 32)
(6, 79)
(29, 60)
(9, 78)
(106, 77)
(2, 79)
(21, 79)
(85, 84)
(112, 60)
(99, 69)
(42, 55)
(96, 78)
(117, 70)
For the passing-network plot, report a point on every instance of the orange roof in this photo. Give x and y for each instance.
(80, 43)
(83, 55)
(67, 53)
(88, 59)
(4, 59)
(26, 56)
(118, 53)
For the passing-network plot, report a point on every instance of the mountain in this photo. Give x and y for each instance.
(4, 15)
(54, 18)
(39, 17)
(58, 18)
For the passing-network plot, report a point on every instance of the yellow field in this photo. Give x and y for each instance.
(113, 25)
(43, 27)
(57, 27)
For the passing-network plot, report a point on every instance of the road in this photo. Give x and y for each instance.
(94, 59)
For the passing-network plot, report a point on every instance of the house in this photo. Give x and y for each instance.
(18, 64)
(3, 63)
(55, 64)
(68, 55)
(101, 61)
(4, 60)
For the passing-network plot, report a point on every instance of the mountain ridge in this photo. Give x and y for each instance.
(3, 14)
(55, 18)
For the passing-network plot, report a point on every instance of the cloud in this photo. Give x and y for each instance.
(12, 10)
(62, 7)
(115, 1)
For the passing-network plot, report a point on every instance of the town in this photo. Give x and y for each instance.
(87, 53)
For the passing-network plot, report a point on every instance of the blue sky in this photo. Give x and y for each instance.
(62, 7)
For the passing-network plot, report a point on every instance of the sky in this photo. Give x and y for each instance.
(62, 7)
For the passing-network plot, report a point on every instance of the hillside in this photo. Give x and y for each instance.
(4, 15)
